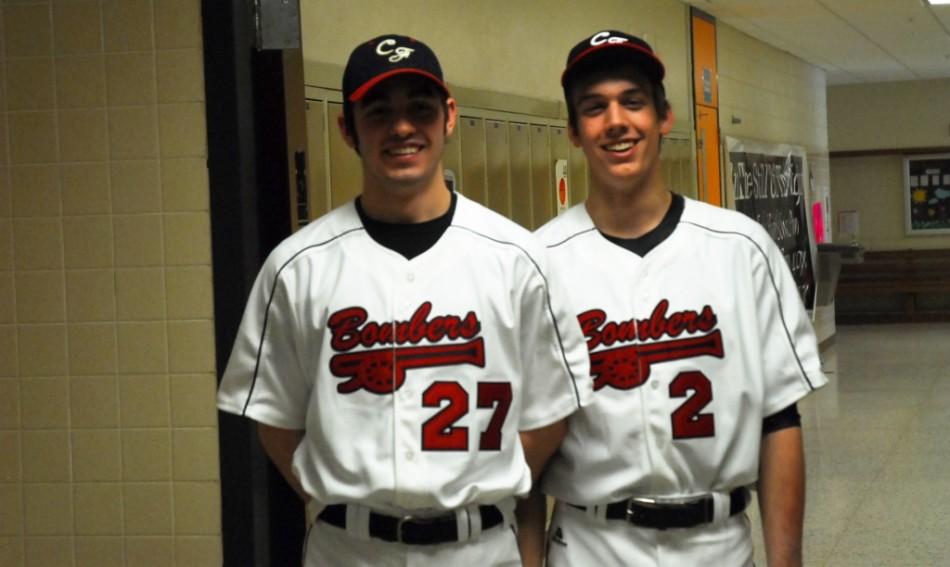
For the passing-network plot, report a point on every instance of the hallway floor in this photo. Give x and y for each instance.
(877, 448)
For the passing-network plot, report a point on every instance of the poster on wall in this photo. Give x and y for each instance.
(849, 226)
(818, 221)
(769, 185)
(927, 194)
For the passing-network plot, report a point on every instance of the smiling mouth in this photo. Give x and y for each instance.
(404, 150)
(620, 146)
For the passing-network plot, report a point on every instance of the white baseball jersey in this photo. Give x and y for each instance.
(411, 378)
(691, 346)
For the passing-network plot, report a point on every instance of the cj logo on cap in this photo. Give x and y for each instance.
(605, 37)
(398, 54)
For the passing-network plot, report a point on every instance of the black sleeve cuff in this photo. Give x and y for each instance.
(788, 417)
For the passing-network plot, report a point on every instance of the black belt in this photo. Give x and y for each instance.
(664, 514)
(410, 530)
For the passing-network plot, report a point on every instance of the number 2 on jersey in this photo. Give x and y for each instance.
(439, 432)
(687, 422)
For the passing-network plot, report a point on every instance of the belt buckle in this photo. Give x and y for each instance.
(400, 523)
(651, 503)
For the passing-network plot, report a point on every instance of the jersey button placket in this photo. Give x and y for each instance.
(643, 290)
(406, 431)
(400, 311)
(406, 294)
(407, 399)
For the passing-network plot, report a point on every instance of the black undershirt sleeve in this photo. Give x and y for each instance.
(788, 417)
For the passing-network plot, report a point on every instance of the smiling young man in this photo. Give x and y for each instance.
(407, 366)
(699, 344)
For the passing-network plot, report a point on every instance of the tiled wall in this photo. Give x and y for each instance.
(775, 96)
(108, 440)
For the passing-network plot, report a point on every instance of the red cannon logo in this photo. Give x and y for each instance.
(627, 367)
(383, 370)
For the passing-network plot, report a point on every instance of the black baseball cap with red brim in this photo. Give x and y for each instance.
(611, 46)
(387, 56)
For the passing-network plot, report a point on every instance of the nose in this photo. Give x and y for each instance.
(614, 118)
(402, 125)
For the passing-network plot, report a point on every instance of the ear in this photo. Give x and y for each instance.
(666, 124)
(572, 135)
(344, 131)
(451, 116)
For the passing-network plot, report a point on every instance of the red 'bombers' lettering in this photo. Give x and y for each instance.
(351, 329)
(345, 326)
(590, 322)
(599, 331)
(610, 333)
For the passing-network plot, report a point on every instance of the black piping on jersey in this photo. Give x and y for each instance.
(585, 231)
(273, 291)
(547, 301)
(781, 313)
(306, 538)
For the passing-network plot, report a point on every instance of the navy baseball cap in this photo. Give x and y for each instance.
(614, 46)
(387, 56)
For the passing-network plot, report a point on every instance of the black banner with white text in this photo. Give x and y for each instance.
(768, 183)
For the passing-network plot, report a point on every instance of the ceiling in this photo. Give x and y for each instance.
(855, 41)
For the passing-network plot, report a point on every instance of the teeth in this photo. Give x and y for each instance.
(622, 146)
(404, 151)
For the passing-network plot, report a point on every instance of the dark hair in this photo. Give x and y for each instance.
(607, 68)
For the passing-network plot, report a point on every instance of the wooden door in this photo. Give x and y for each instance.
(706, 107)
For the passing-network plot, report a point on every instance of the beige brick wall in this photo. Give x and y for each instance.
(108, 432)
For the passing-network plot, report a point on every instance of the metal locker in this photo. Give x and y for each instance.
(676, 152)
(317, 159)
(472, 140)
(542, 175)
(560, 149)
(452, 160)
(672, 157)
(577, 165)
(519, 152)
(496, 150)
(346, 170)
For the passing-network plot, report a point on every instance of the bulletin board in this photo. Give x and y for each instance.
(927, 194)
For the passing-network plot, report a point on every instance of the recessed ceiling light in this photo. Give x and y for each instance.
(938, 2)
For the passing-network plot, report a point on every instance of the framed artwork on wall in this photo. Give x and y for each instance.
(927, 194)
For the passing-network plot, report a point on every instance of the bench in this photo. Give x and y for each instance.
(895, 286)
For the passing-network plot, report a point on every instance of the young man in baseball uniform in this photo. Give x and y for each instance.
(406, 364)
(700, 348)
